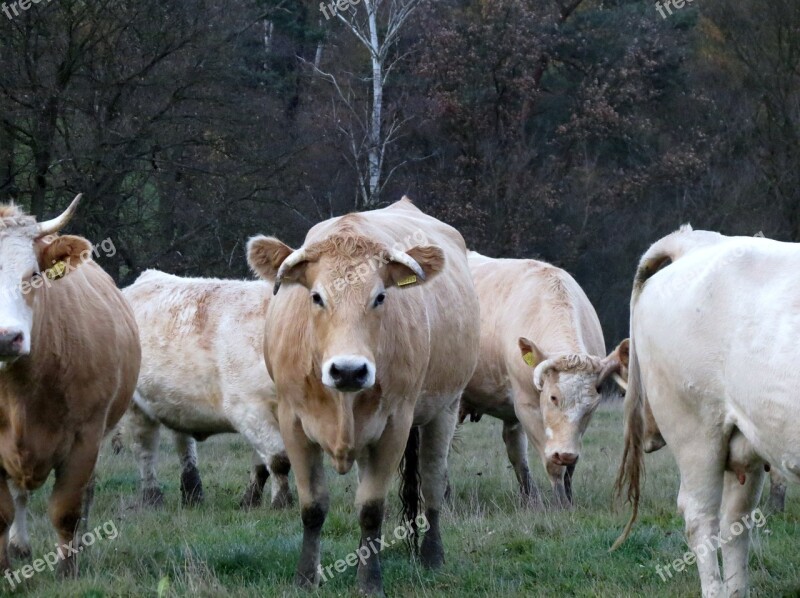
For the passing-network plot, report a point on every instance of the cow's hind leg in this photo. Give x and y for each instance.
(279, 467)
(191, 484)
(145, 432)
(19, 543)
(73, 479)
(516, 442)
(777, 491)
(434, 449)
(739, 516)
(699, 501)
(255, 488)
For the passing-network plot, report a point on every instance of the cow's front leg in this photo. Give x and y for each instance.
(73, 478)
(557, 473)
(312, 491)
(279, 468)
(435, 440)
(145, 432)
(19, 544)
(376, 468)
(739, 502)
(516, 442)
(255, 487)
(191, 484)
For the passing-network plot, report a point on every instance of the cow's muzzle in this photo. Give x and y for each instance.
(12, 343)
(564, 459)
(350, 373)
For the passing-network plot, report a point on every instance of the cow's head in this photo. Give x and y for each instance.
(27, 250)
(569, 388)
(352, 283)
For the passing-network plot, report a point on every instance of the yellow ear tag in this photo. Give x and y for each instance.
(407, 281)
(56, 271)
(529, 359)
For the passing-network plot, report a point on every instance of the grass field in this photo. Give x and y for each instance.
(494, 548)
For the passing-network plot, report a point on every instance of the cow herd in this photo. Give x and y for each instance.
(366, 346)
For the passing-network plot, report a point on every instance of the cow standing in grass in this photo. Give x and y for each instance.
(69, 359)
(541, 368)
(370, 340)
(714, 328)
(203, 373)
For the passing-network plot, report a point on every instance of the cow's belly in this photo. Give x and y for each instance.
(497, 403)
(198, 414)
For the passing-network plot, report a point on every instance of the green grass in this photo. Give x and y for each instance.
(494, 548)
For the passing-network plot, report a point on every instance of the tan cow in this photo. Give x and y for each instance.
(542, 363)
(69, 358)
(203, 373)
(370, 340)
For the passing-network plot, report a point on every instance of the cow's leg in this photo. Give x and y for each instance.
(653, 440)
(145, 432)
(516, 443)
(255, 488)
(436, 437)
(557, 473)
(777, 491)
(376, 469)
(279, 467)
(73, 478)
(569, 471)
(191, 484)
(19, 543)
(699, 501)
(312, 492)
(6, 520)
(738, 504)
(530, 417)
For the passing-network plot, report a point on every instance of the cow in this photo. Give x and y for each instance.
(203, 373)
(371, 338)
(541, 368)
(714, 323)
(69, 359)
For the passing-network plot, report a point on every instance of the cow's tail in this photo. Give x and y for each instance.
(410, 488)
(631, 471)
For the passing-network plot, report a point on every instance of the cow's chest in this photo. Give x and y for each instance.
(27, 452)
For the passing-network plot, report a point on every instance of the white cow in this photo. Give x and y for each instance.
(203, 373)
(714, 328)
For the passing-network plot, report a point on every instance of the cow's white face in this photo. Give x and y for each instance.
(567, 401)
(18, 266)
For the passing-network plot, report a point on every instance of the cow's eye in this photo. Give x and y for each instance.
(317, 299)
(554, 399)
(379, 299)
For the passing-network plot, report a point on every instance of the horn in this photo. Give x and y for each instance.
(540, 371)
(290, 262)
(401, 257)
(49, 227)
(610, 365)
(620, 381)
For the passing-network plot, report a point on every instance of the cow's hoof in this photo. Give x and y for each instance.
(777, 501)
(153, 497)
(17, 551)
(251, 498)
(67, 568)
(191, 488)
(376, 592)
(304, 581)
(431, 554)
(282, 500)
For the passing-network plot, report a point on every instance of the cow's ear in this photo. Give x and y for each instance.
(66, 248)
(530, 352)
(429, 257)
(265, 255)
(623, 352)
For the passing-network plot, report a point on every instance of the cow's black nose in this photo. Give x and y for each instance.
(349, 376)
(11, 341)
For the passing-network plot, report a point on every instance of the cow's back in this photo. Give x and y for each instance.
(202, 340)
